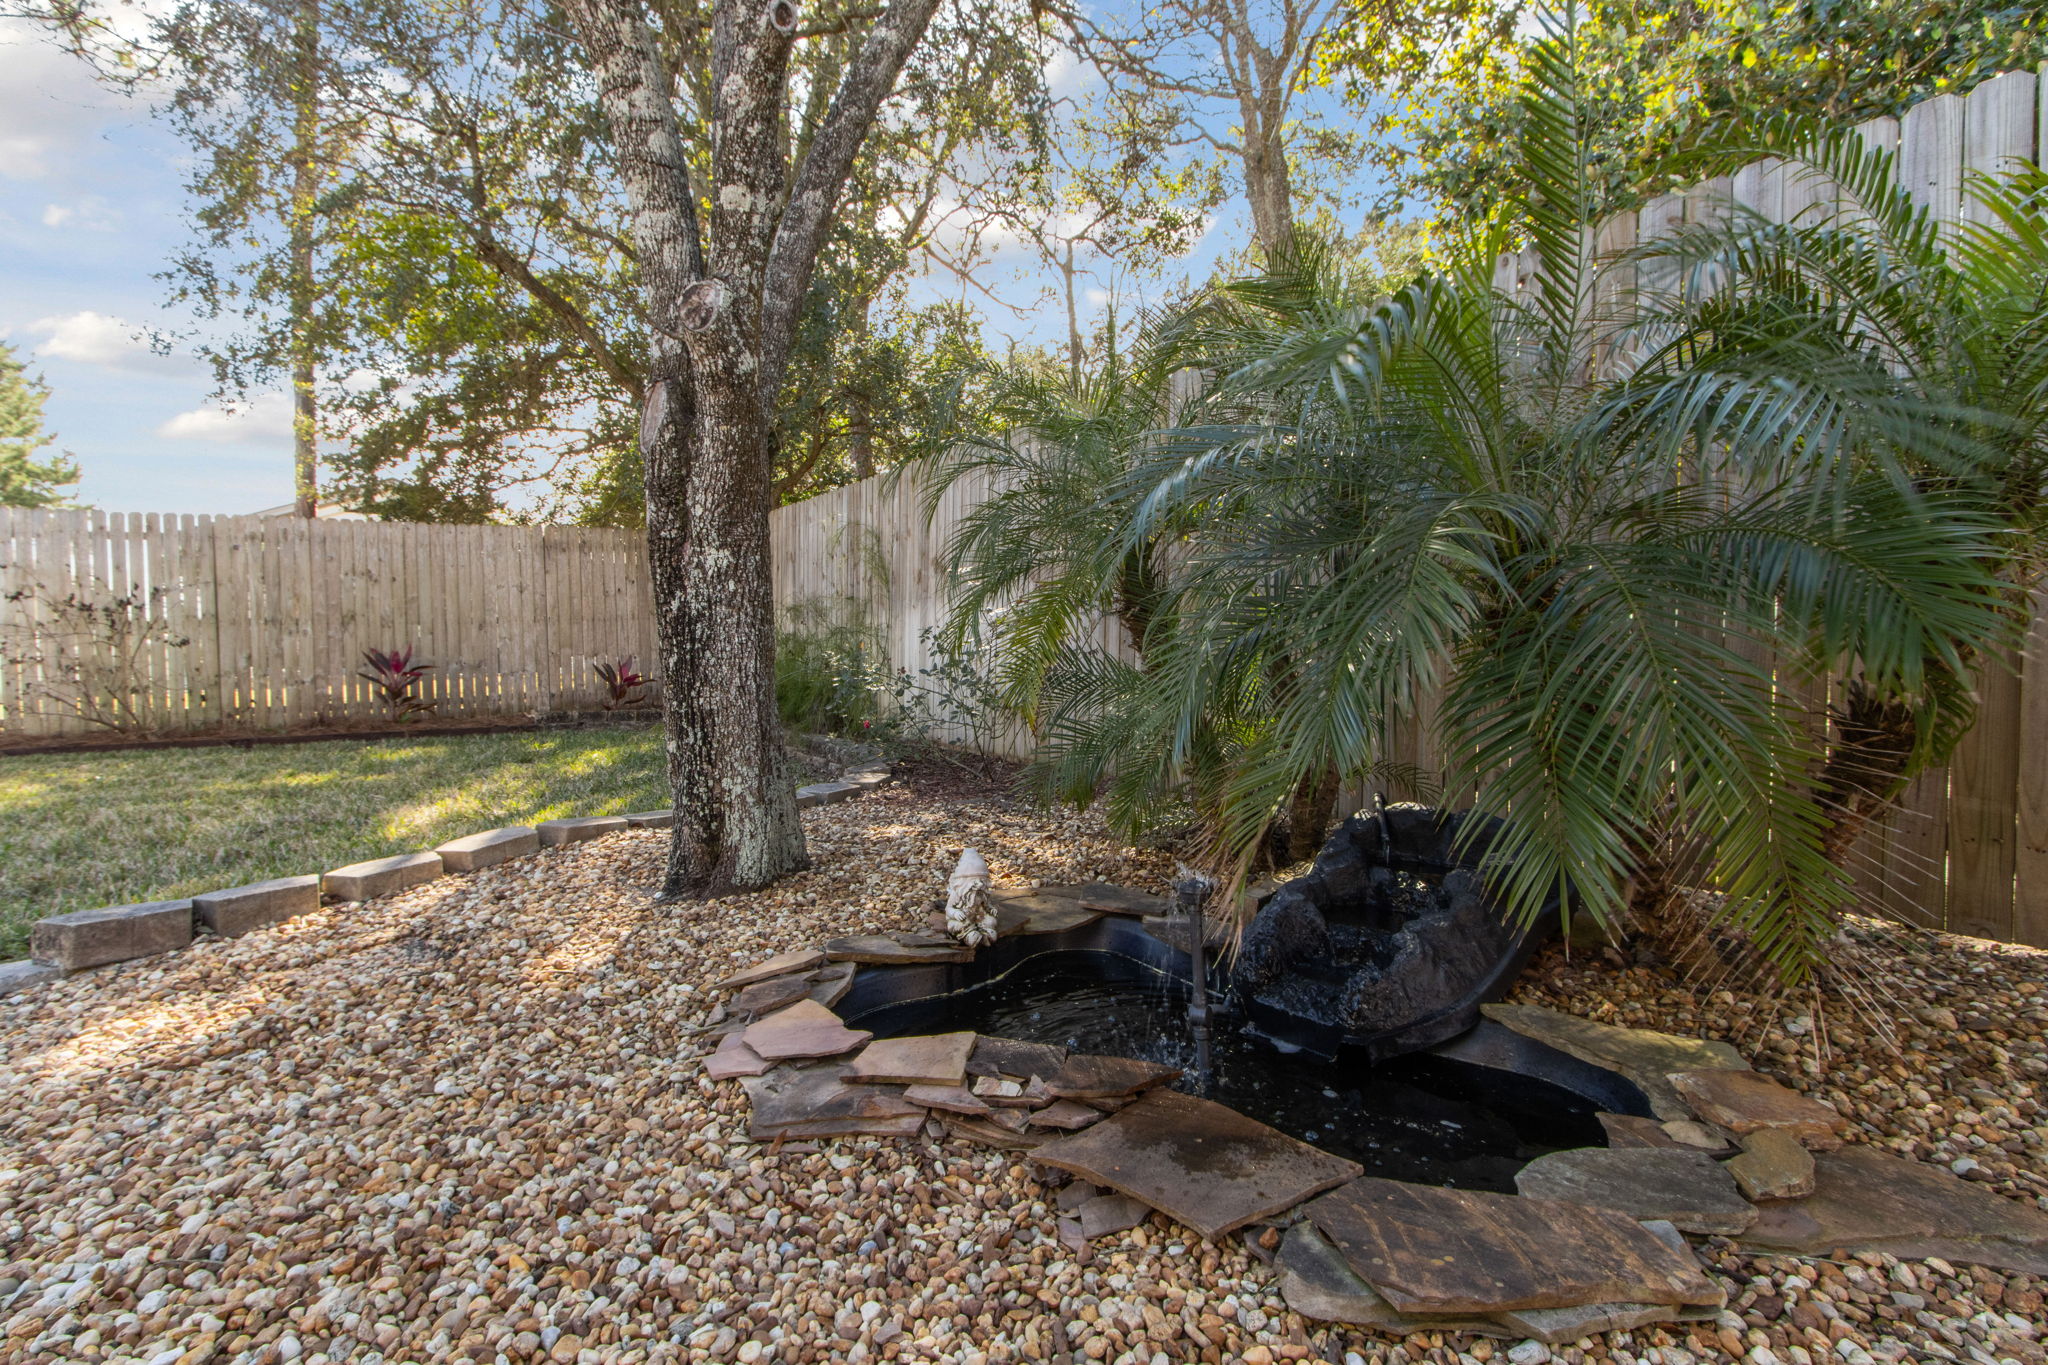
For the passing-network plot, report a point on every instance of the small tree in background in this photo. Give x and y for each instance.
(24, 480)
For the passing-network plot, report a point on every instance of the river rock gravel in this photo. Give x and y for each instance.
(471, 1123)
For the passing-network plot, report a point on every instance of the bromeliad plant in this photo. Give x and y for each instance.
(624, 683)
(1592, 561)
(395, 676)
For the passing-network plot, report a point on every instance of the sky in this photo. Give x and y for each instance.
(91, 208)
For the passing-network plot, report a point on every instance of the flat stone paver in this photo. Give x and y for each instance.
(1645, 1056)
(952, 1099)
(816, 1101)
(829, 985)
(782, 964)
(929, 1059)
(555, 833)
(240, 909)
(1628, 1130)
(766, 997)
(1198, 1162)
(1009, 1057)
(1867, 1200)
(1070, 1115)
(1685, 1188)
(1032, 913)
(112, 933)
(803, 1030)
(1744, 1102)
(1084, 1076)
(650, 819)
(1430, 1250)
(885, 950)
(1318, 1283)
(990, 1135)
(1112, 899)
(734, 1058)
(381, 876)
(1773, 1164)
(1110, 1213)
(491, 847)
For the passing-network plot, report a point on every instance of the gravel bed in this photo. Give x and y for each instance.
(468, 1123)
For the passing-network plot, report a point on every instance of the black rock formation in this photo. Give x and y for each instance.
(1388, 948)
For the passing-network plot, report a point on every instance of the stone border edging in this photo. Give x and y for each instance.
(61, 945)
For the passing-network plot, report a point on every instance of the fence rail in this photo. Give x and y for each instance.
(260, 623)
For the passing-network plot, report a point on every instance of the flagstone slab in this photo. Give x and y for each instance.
(1688, 1189)
(1111, 1213)
(953, 1099)
(1627, 1130)
(1644, 1056)
(1745, 1102)
(782, 964)
(1199, 1162)
(1561, 1326)
(891, 950)
(803, 1030)
(1867, 1200)
(1008, 1057)
(989, 1135)
(1317, 1283)
(766, 997)
(1773, 1164)
(1084, 1076)
(1067, 1114)
(929, 1059)
(906, 1127)
(1112, 899)
(733, 1059)
(1037, 914)
(807, 1101)
(829, 985)
(1431, 1250)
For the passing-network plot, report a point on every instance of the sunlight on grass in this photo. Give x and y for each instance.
(81, 830)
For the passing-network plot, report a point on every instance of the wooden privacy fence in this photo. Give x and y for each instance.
(260, 623)
(1966, 850)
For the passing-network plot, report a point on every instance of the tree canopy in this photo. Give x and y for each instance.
(26, 481)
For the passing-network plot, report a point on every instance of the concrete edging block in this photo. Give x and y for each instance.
(651, 819)
(238, 909)
(112, 933)
(381, 876)
(19, 976)
(488, 848)
(555, 833)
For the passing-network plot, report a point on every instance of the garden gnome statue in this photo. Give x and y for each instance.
(970, 915)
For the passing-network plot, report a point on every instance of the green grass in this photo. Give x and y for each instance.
(81, 830)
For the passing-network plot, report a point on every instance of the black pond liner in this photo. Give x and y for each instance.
(1467, 1113)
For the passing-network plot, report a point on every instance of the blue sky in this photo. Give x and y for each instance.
(90, 210)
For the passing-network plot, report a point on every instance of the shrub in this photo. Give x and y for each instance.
(395, 675)
(624, 684)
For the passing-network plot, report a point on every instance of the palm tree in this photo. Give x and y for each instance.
(1447, 492)
(1906, 311)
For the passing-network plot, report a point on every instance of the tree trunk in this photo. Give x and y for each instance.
(708, 480)
(1309, 811)
(305, 198)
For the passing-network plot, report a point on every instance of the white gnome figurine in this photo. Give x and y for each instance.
(970, 915)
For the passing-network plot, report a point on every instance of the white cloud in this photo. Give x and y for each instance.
(90, 212)
(264, 420)
(50, 105)
(91, 338)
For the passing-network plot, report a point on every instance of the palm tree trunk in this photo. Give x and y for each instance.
(1309, 812)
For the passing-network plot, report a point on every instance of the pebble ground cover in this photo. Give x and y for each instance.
(469, 1123)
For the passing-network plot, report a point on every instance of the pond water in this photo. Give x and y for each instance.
(1422, 1117)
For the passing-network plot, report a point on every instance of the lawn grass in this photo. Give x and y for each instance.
(81, 830)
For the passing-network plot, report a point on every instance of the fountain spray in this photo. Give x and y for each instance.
(1192, 891)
